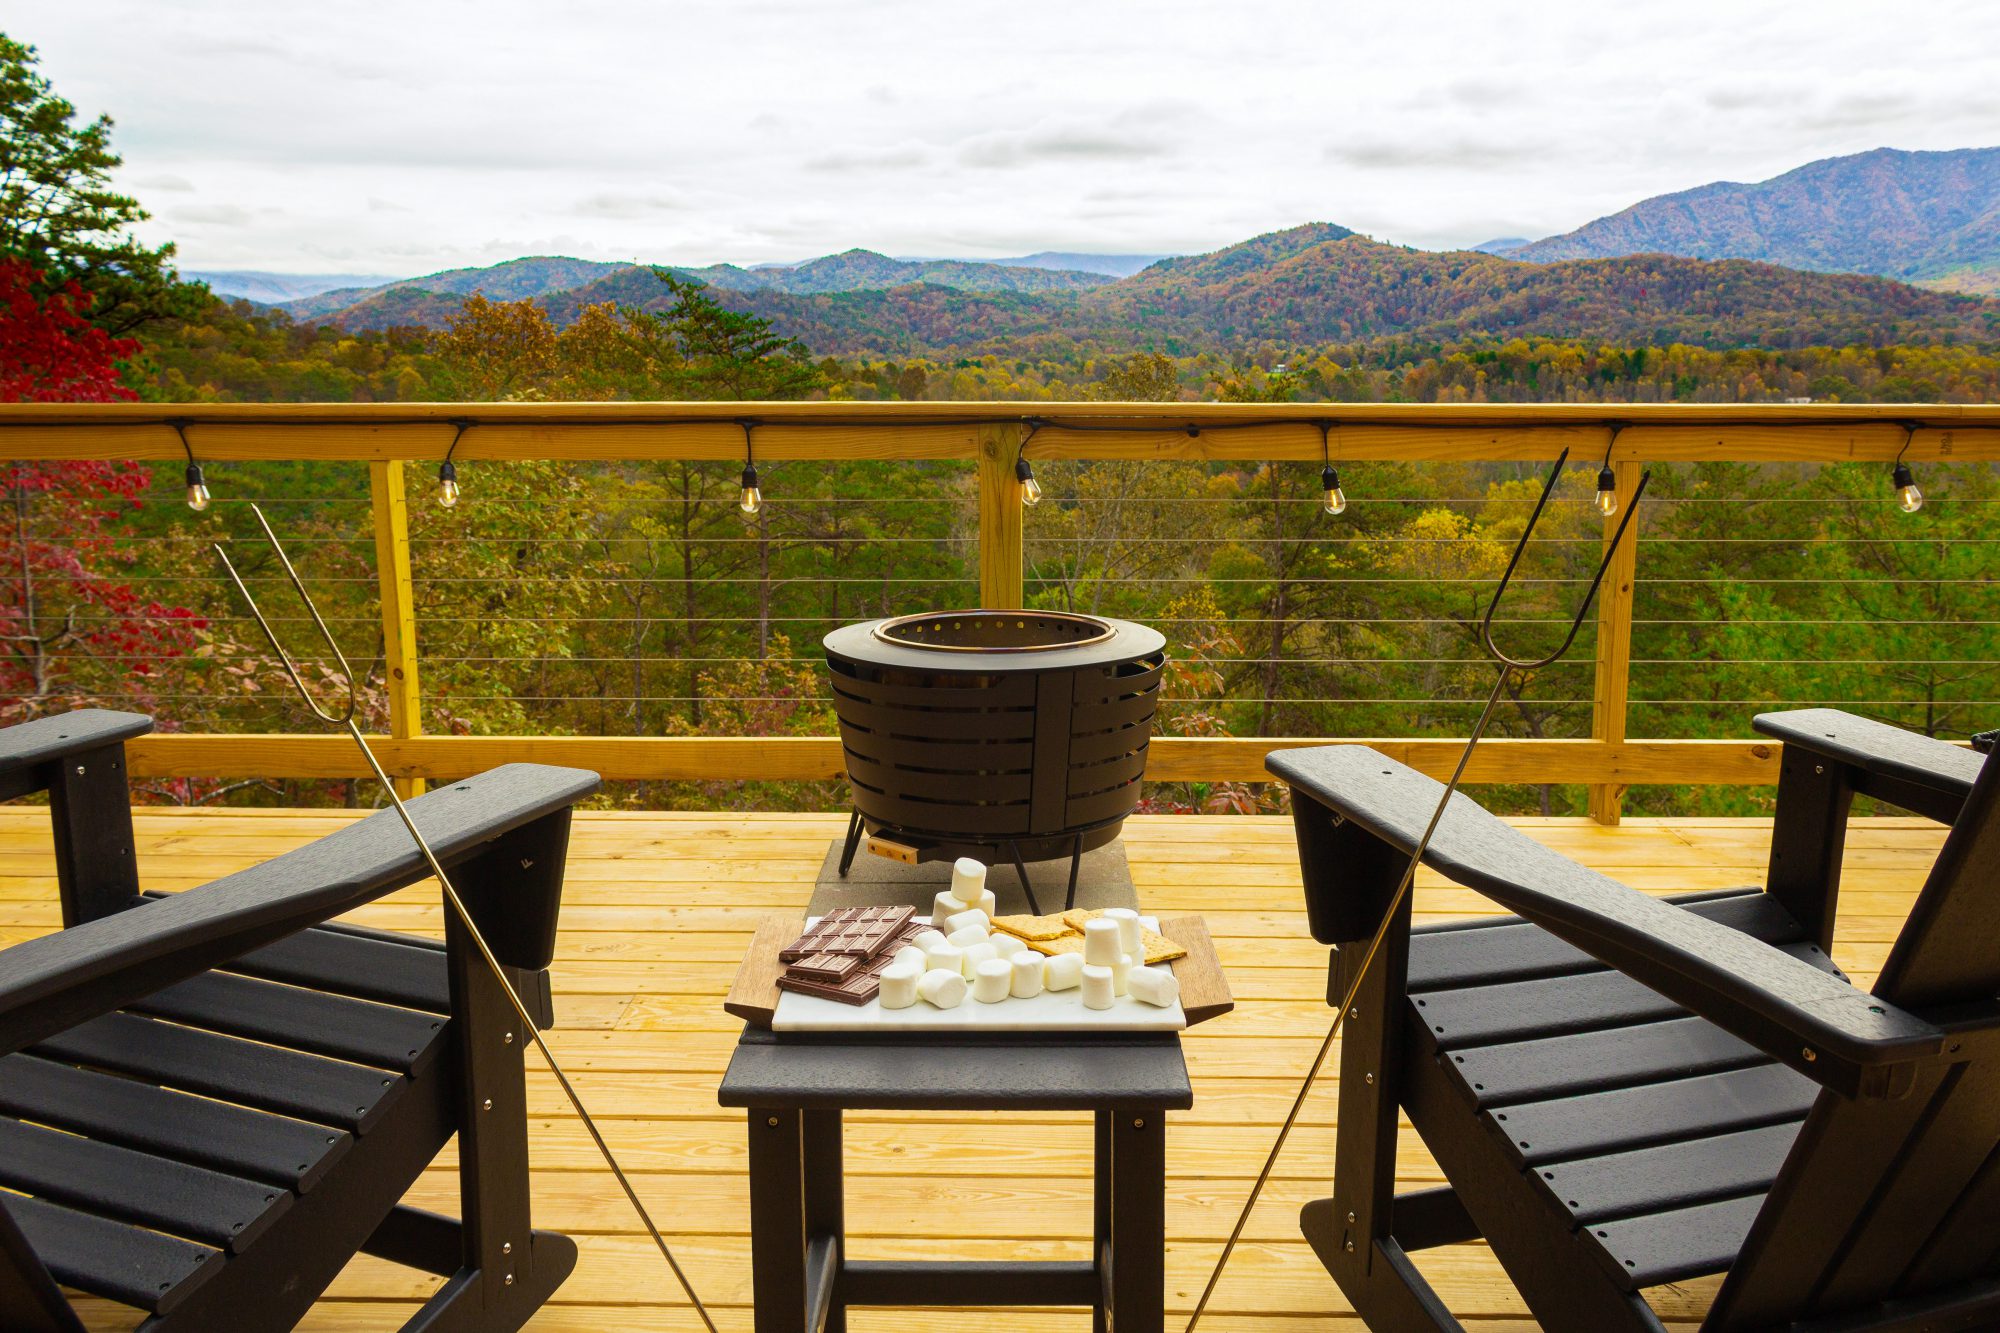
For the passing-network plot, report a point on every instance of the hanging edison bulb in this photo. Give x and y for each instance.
(1907, 495)
(447, 492)
(1332, 498)
(197, 491)
(1031, 490)
(1607, 492)
(752, 499)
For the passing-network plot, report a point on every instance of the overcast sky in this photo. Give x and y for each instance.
(365, 137)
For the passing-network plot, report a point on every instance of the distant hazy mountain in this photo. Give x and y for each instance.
(271, 288)
(1501, 245)
(1118, 266)
(864, 270)
(419, 300)
(537, 275)
(1927, 218)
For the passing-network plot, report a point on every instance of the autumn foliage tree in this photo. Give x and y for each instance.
(71, 626)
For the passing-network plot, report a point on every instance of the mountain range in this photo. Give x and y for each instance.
(1314, 284)
(1804, 258)
(1927, 218)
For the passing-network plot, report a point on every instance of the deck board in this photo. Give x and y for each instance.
(658, 908)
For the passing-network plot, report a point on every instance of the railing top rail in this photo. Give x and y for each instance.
(1817, 432)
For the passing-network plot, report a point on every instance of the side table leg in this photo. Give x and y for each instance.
(1100, 1227)
(825, 1200)
(1138, 1221)
(777, 1221)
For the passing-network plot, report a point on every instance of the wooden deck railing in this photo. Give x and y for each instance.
(386, 436)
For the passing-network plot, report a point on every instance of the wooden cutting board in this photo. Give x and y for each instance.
(753, 997)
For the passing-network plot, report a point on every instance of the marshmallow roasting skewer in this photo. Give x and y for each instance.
(346, 719)
(1508, 665)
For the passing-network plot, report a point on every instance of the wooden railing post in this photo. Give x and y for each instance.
(1001, 582)
(399, 615)
(1614, 644)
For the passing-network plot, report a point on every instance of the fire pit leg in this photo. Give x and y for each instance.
(1075, 864)
(853, 841)
(1021, 868)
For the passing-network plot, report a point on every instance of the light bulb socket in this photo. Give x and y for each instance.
(447, 471)
(1329, 480)
(750, 476)
(1902, 476)
(1022, 472)
(194, 477)
(1607, 480)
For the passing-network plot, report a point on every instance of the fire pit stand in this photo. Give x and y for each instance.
(990, 733)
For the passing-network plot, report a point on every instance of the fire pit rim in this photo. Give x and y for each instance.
(858, 642)
(884, 631)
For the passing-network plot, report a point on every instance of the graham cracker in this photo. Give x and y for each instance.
(1032, 928)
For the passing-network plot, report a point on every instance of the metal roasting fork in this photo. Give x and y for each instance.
(345, 718)
(1507, 666)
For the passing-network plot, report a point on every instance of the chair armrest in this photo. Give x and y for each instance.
(50, 984)
(29, 748)
(1912, 772)
(1840, 1037)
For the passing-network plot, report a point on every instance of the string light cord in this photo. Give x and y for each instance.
(1607, 480)
(345, 718)
(1024, 472)
(1907, 495)
(447, 492)
(1507, 666)
(197, 484)
(1332, 498)
(751, 498)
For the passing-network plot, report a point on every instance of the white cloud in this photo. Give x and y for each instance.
(780, 129)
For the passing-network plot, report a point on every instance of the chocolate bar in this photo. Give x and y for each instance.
(832, 968)
(859, 988)
(861, 932)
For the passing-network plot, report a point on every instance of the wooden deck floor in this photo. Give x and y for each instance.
(657, 911)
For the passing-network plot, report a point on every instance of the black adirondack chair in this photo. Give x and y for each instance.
(1625, 1091)
(210, 1101)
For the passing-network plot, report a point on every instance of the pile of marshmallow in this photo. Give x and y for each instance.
(962, 953)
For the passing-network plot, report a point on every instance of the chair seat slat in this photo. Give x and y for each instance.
(329, 1092)
(130, 1186)
(332, 1025)
(112, 1259)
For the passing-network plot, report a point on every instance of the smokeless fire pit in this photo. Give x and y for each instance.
(978, 733)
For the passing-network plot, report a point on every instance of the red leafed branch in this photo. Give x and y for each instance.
(70, 625)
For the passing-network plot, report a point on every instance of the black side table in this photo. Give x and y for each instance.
(795, 1088)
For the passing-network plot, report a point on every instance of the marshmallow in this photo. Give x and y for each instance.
(991, 983)
(946, 906)
(1026, 982)
(967, 936)
(1008, 945)
(974, 956)
(911, 954)
(1154, 985)
(1121, 974)
(1063, 971)
(946, 957)
(968, 879)
(988, 903)
(1097, 992)
(971, 916)
(1100, 942)
(899, 983)
(1130, 937)
(925, 938)
(943, 989)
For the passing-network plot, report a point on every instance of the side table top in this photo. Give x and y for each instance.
(998, 1073)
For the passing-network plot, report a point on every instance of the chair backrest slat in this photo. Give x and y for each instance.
(1889, 1198)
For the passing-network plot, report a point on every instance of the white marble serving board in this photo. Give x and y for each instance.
(1051, 1011)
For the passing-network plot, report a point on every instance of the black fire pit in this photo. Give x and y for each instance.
(977, 733)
